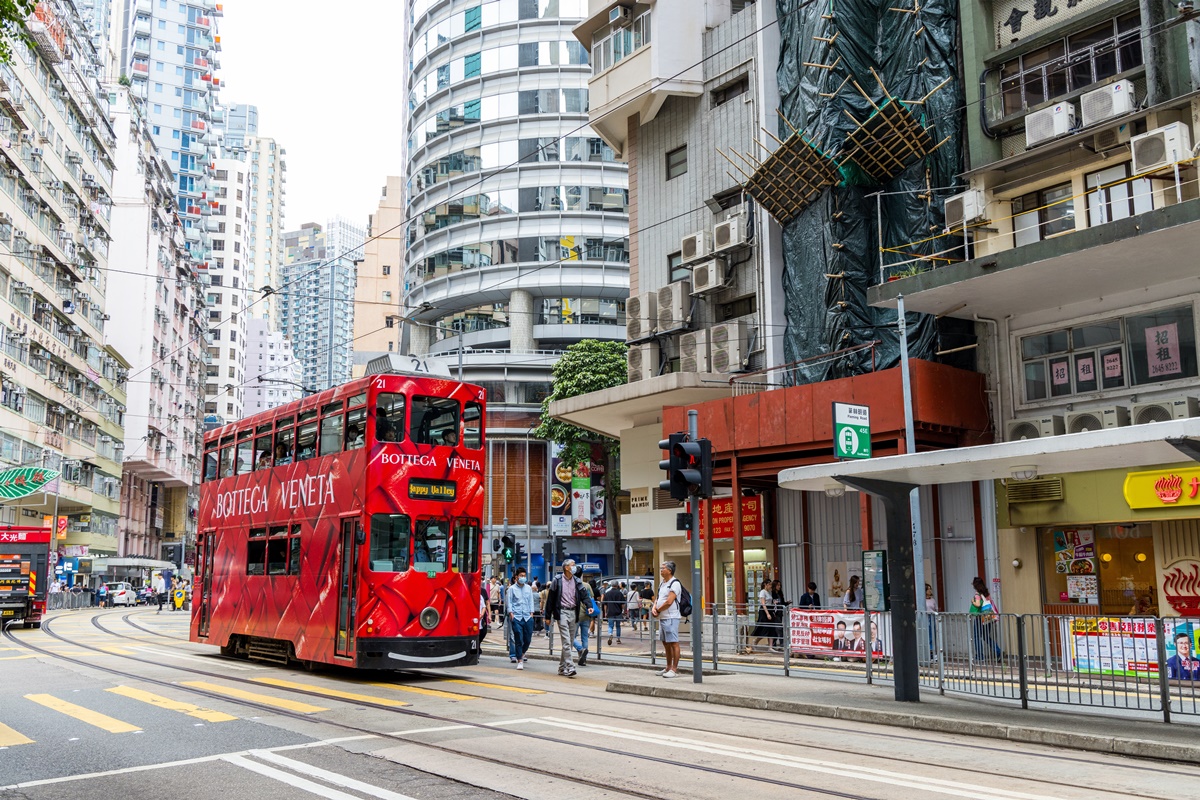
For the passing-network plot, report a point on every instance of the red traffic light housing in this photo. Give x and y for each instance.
(688, 466)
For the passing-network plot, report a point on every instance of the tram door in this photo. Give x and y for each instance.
(348, 585)
(204, 558)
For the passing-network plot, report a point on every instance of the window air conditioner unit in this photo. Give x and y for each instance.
(1111, 101)
(1161, 147)
(1035, 428)
(1049, 123)
(672, 306)
(693, 351)
(963, 209)
(640, 315)
(696, 247)
(620, 15)
(708, 276)
(728, 346)
(1111, 138)
(643, 361)
(730, 233)
(1097, 418)
(1164, 410)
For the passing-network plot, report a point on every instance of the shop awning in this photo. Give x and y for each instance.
(1113, 448)
(100, 564)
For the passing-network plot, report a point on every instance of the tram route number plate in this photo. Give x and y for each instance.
(419, 489)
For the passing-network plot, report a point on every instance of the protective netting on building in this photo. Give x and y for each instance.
(843, 64)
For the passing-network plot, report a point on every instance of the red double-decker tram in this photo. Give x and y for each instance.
(344, 528)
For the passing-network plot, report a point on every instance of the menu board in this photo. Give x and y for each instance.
(1075, 551)
(1083, 589)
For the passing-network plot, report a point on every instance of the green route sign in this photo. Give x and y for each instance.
(851, 431)
(23, 481)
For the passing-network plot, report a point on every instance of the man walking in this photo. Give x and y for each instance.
(666, 610)
(520, 616)
(495, 593)
(159, 587)
(564, 604)
(614, 609)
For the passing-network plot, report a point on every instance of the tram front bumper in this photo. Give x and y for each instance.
(417, 652)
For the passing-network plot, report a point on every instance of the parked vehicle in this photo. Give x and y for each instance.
(121, 594)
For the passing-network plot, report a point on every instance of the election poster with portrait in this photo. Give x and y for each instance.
(839, 634)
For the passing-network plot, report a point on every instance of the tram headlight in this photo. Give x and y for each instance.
(430, 618)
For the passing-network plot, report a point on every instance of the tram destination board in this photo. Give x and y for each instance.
(421, 489)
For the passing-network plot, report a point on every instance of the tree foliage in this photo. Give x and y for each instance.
(13, 14)
(587, 366)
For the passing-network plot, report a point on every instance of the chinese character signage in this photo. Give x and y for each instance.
(23, 481)
(1020, 19)
(722, 515)
(1162, 351)
(1163, 488)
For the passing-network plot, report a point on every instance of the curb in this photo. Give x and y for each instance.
(1137, 748)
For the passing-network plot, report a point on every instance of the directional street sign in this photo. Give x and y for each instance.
(851, 431)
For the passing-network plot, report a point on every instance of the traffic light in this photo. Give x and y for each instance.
(508, 547)
(688, 466)
(520, 554)
(560, 549)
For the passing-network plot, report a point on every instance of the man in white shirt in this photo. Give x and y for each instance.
(666, 610)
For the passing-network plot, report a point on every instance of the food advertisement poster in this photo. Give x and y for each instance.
(1075, 551)
(577, 500)
(839, 633)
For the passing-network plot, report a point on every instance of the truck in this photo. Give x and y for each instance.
(24, 575)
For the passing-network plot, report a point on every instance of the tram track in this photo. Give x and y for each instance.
(528, 767)
(808, 726)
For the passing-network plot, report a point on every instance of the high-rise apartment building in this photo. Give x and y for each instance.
(268, 189)
(241, 125)
(161, 336)
(228, 292)
(518, 240)
(316, 299)
(272, 372)
(62, 383)
(377, 297)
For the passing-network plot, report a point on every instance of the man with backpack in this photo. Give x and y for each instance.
(667, 609)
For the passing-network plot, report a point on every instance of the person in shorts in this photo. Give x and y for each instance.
(666, 610)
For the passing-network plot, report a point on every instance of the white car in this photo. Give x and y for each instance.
(121, 594)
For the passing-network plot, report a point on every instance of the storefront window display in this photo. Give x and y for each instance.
(1104, 569)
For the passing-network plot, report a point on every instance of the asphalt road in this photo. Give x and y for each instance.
(131, 709)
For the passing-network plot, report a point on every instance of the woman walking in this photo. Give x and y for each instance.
(779, 606)
(984, 615)
(763, 627)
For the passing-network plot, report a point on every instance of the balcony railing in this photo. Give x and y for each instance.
(621, 43)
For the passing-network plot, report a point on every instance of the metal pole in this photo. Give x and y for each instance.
(910, 446)
(528, 500)
(697, 639)
(715, 634)
(867, 635)
(1164, 689)
(786, 623)
(460, 349)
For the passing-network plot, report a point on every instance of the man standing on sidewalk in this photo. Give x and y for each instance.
(564, 604)
(520, 616)
(614, 609)
(666, 610)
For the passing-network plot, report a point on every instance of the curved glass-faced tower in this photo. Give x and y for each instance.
(517, 233)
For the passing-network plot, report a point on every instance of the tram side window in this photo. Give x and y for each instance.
(434, 420)
(390, 535)
(331, 430)
(245, 456)
(210, 465)
(256, 552)
(466, 545)
(473, 434)
(389, 417)
(429, 547)
(227, 462)
(283, 447)
(277, 550)
(262, 453)
(306, 441)
(356, 428)
(294, 551)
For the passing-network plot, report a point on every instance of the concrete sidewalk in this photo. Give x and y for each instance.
(856, 702)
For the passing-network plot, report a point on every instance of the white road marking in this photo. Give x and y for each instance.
(289, 779)
(441, 728)
(860, 772)
(329, 777)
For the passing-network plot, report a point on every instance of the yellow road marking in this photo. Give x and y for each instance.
(494, 686)
(427, 692)
(82, 714)
(15, 658)
(159, 701)
(118, 651)
(308, 687)
(265, 699)
(10, 738)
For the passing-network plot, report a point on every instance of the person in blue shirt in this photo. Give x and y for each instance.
(520, 616)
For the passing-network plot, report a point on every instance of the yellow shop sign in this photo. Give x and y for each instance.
(1163, 488)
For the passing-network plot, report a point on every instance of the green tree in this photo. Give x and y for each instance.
(13, 14)
(587, 366)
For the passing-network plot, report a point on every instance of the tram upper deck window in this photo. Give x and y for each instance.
(332, 424)
(306, 441)
(473, 433)
(434, 420)
(262, 447)
(389, 417)
(284, 433)
(210, 464)
(390, 534)
(430, 545)
(245, 453)
(226, 466)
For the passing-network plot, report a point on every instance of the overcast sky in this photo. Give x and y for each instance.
(326, 77)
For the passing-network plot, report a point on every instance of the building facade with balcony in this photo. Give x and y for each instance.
(269, 356)
(517, 243)
(162, 337)
(316, 299)
(379, 291)
(62, 382)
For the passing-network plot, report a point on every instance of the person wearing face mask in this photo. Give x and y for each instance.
(564, 605)
(520, 616)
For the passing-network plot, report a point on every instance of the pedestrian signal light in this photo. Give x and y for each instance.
(508, 547)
